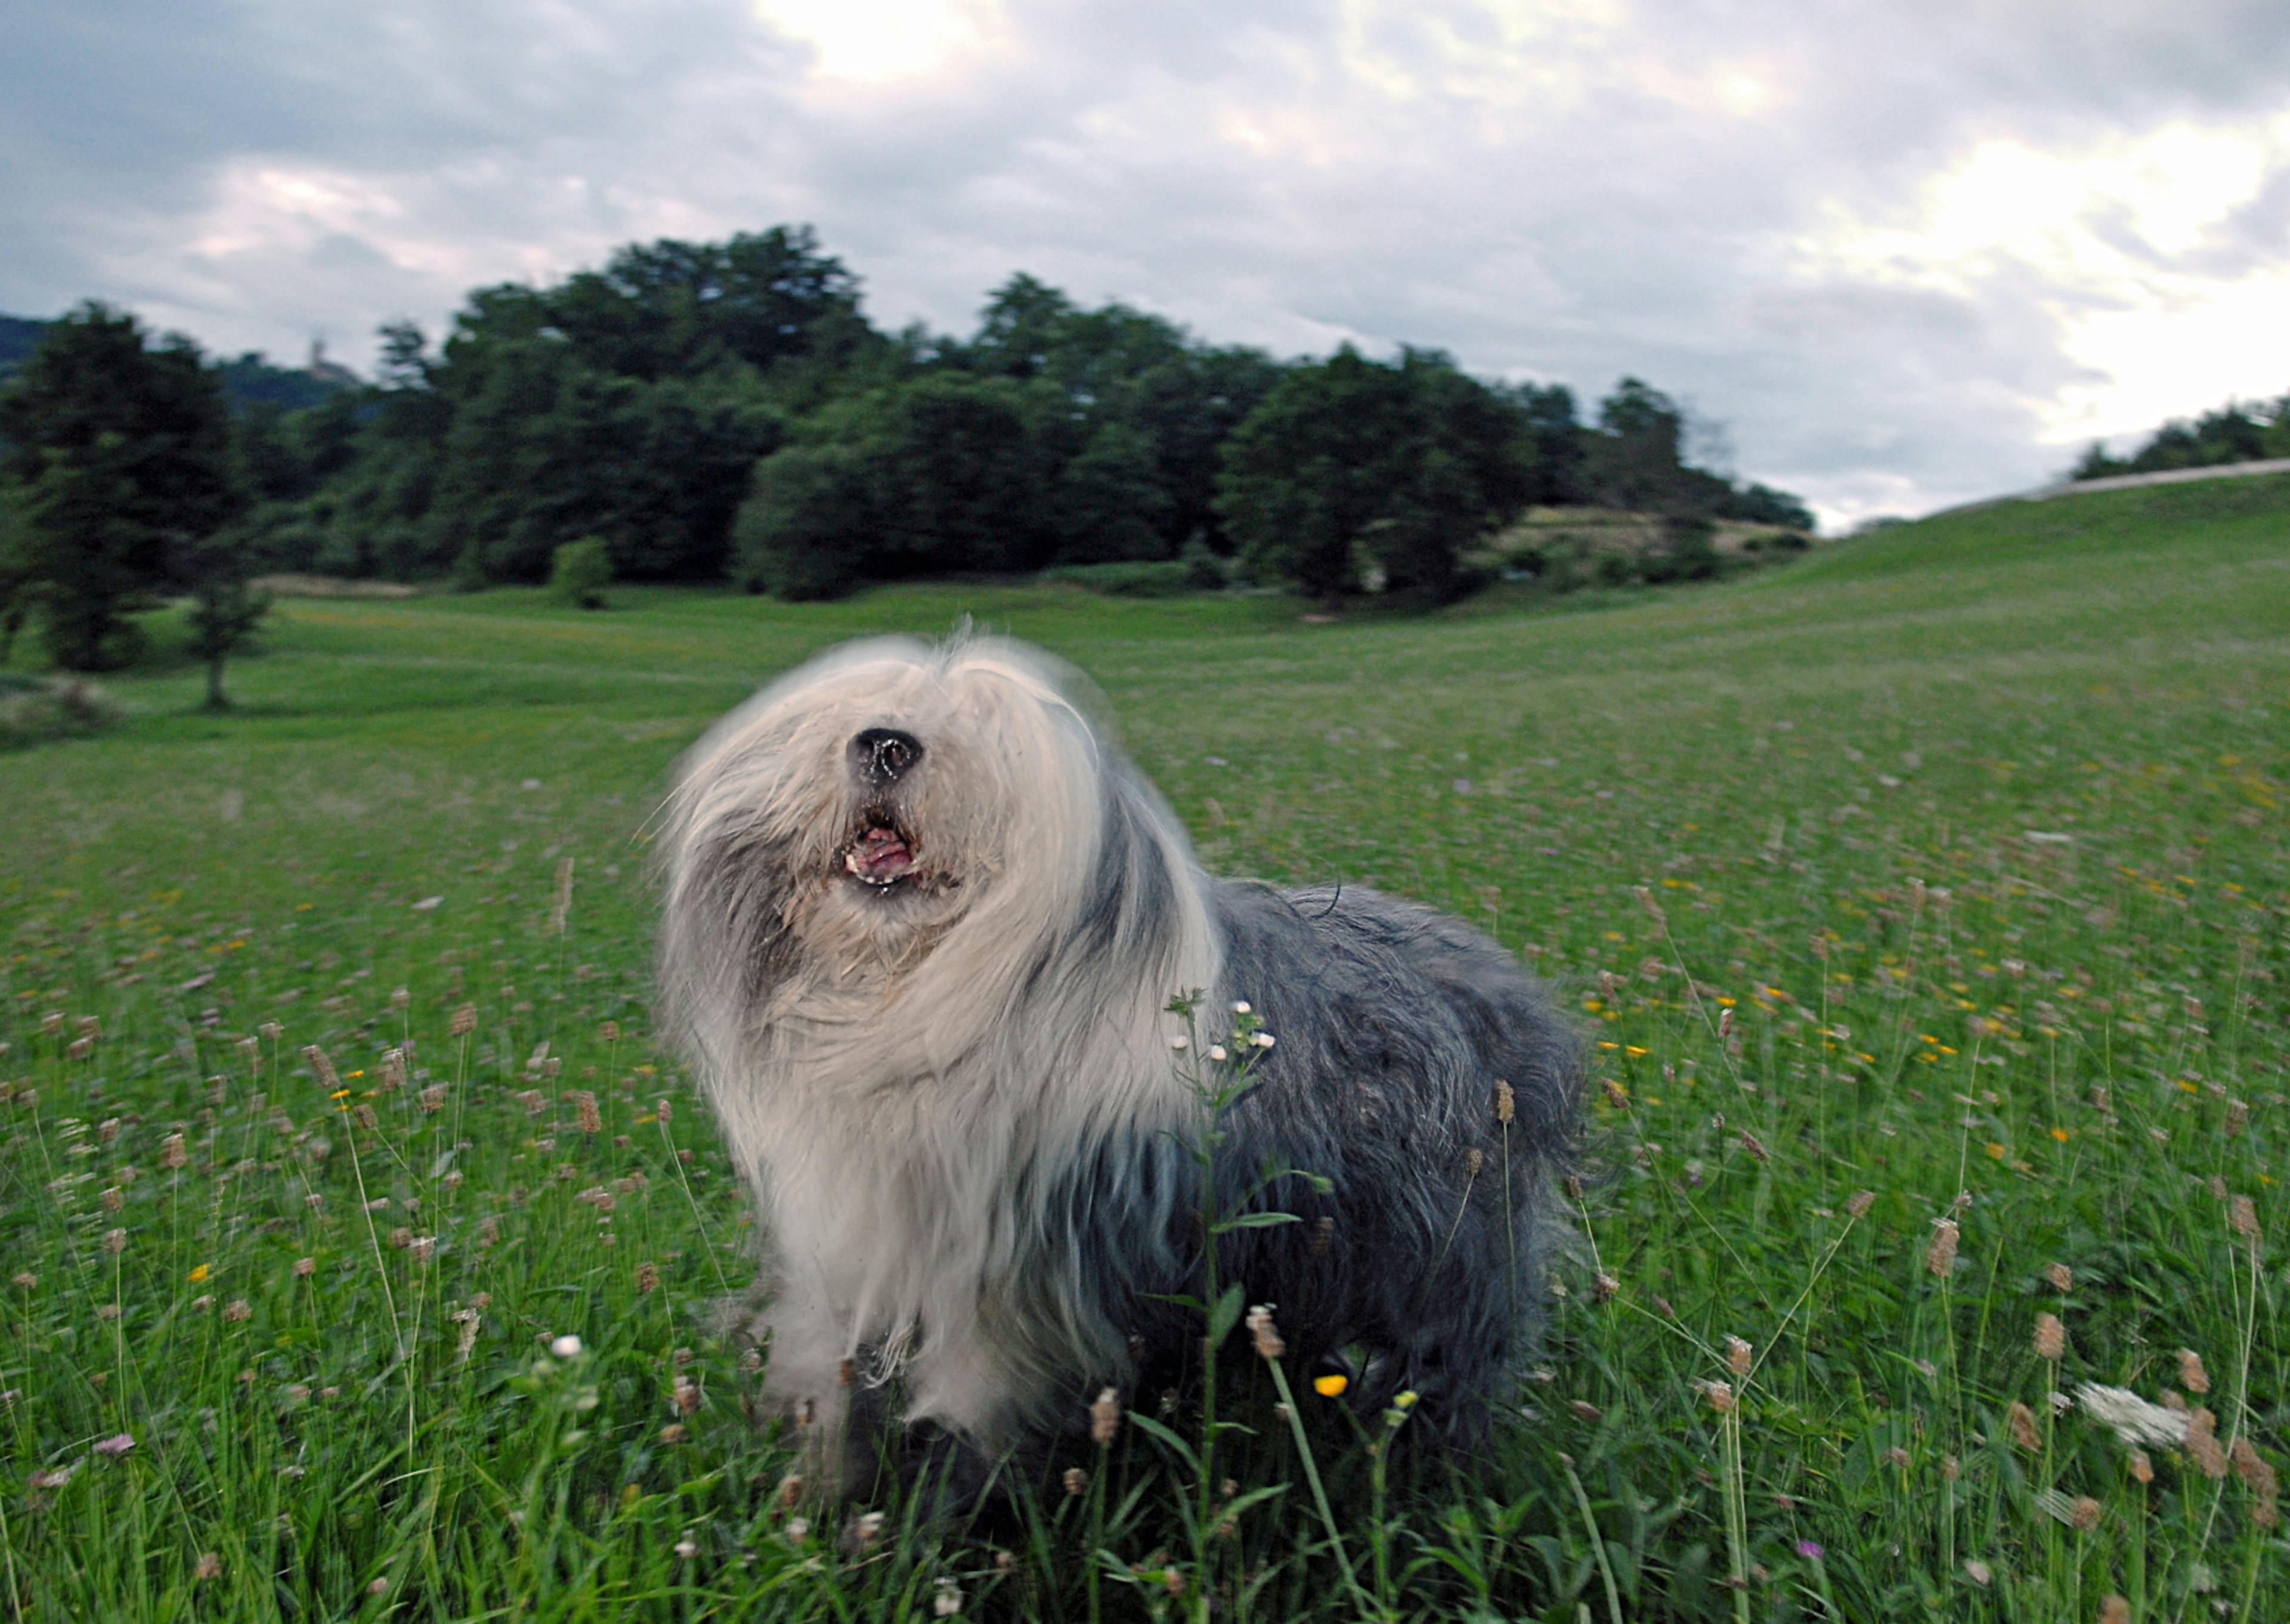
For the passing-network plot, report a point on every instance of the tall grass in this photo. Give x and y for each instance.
(1950, 1008)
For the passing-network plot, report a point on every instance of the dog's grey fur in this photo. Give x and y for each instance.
(959, 1097)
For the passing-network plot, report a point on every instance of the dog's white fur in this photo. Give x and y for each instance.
(888, 1069)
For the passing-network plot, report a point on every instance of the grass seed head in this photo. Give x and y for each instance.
(1940, 1256)
(1857, 1205)
(2203, 1445)
(2021, 1420)
(1077, 1481)
(2242, 1218)
(2192, 1376)
(1263, 1333)
(2083, 1515)
(2060, 1276)
(1739, 1356)
(2115, 1610)
(1105, 1418)
(465, 1021)
(1506, 1102)
(2051, 1337)
(2256, 1475)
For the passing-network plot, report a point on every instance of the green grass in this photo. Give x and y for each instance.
(1968, 838)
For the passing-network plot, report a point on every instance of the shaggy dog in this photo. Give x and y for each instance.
(923, 928)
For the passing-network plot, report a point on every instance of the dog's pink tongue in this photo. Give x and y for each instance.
(879, 855)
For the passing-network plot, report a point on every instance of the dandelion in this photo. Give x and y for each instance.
(2051, 1337)
(1105, 1418)
(1333, 1385)
(2203, 1445)
(2022, 1423)
(2192, 1376)
(1075, 1480)
(565, 1347)
(1940, 1256)
(1263, 1333)
(1857, 1206)
(199, 1275)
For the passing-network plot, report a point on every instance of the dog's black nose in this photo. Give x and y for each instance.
(884, 754)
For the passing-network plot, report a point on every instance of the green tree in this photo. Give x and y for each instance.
(1354, 461)
(19, 588)
(122, 453)
(226, 607)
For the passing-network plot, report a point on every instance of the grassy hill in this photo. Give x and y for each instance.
(1966, 850)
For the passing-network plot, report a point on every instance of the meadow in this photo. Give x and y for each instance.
(1926, 899)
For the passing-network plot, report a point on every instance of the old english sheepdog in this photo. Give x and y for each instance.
(923, 927)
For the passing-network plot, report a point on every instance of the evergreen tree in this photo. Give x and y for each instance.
(121, 453)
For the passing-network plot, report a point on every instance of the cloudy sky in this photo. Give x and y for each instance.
(1903, 253)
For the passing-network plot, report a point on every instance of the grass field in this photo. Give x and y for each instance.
(1965, 901)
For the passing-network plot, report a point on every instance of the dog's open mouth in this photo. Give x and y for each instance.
(883, 854)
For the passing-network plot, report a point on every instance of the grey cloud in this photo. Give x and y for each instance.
(1606, 223)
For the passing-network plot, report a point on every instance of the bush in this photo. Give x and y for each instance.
(580, 572)
(1688, 551)
(33, 709)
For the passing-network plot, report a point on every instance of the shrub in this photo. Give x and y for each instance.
(580, 572)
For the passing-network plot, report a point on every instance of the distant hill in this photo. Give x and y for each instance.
(18, 335)
(250, 380)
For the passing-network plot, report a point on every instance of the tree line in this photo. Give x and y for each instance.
(2240, 431)
(725, 411)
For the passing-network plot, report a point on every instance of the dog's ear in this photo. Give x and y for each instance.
(727, 939)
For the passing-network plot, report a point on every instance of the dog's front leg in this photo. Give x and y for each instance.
(807, 1378)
